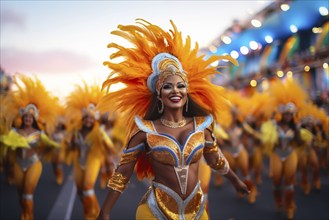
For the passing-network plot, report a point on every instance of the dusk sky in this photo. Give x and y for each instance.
(65, 42)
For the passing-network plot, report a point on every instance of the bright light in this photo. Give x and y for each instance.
(234, 54)
(325, 65)
(244, 50)
(253, 83)
(253, 45)
(289, 74)
(323, 11)
(307, 68)
(226, 39)
(268, 39)
(280, 73)
(213, 49)
(317, 30)
(256, 23)
(284, 7)
(293, 28)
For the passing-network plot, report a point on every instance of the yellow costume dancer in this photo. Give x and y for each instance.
(234, 147)
(256, 111)
(168, 103)
(282, 136)
(35, 106)
(307, 153)
(321, 139)
(57, 157)
(89, 143)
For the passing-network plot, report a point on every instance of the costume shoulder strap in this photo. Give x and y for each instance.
(204, 122)
(144, 125)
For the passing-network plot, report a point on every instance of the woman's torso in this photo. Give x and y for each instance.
(174, 153)
(83, 147)
(33, 138)
(285, 145)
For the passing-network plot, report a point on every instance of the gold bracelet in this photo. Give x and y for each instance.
(211, 149)
(220, 164)
(117, 182)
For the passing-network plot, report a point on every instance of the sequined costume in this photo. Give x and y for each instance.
(163, 202)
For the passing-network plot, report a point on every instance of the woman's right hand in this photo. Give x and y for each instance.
(241, 187)
(102, 216)
(238, 184)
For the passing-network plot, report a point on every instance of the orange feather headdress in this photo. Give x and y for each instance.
(136, 67)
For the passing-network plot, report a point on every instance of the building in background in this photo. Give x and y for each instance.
(285, 39)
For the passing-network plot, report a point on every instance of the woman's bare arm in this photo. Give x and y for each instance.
(113, 195)
(122, 175)
(217, 161)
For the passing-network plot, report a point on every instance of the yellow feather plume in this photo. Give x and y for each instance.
(30, 91)
(288, 91)
(261, 105)
(79, 99)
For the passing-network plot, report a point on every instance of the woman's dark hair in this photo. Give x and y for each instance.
(193, 109)
(34, 124)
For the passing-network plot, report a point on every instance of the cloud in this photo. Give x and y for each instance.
(53, 61)
(12, 17)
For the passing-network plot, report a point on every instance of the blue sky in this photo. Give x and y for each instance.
(63, 42)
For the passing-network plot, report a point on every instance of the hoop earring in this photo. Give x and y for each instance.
(160, 110)
(186, 104)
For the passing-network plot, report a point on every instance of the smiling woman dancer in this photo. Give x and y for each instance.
(27, 110)
(170, 106)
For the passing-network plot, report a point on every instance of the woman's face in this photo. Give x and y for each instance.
(287, 116)
(28, 119)
(174, 92)
(88, 121)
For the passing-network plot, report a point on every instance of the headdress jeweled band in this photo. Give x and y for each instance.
(30, 108)
(163, 65)
(289, 107)
(91, 109)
